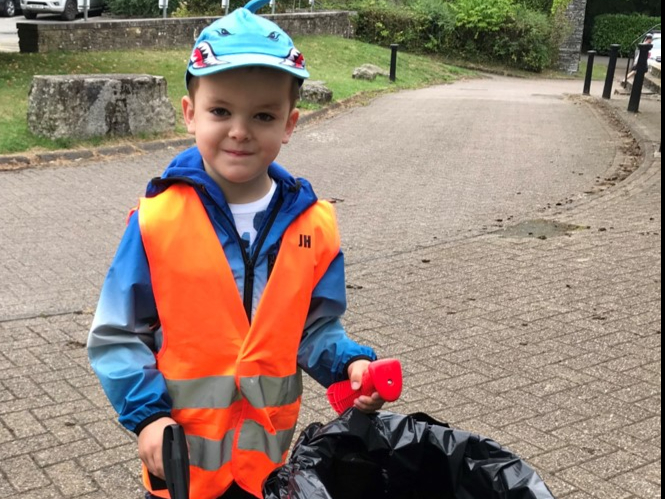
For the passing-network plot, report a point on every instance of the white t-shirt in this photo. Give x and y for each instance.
(249, 217)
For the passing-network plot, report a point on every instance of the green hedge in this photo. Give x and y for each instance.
(537, 5)
(620, 29)
(525, 42)
(384, 25)
(517, 37)
(213, 8)
(139, 8)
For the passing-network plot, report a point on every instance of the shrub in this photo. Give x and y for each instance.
(620, 29)
(386, 25)
(139, 8)
(526, 42)
(537, 5)
(337, 4)
(559, 6)
(441, 22)
(522, 39)
(482, 16)
(213, 8)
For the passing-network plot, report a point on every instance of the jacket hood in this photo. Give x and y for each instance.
(187, 167)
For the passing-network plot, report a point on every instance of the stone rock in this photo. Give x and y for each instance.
(84, 106)
(316, 92)
(369, 72)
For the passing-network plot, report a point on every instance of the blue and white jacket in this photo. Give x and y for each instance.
(126, 332)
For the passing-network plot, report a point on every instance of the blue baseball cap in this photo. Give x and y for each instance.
(244, 39)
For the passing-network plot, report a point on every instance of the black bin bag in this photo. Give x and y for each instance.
(391, 456)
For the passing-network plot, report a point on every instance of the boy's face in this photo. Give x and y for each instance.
(240, 119)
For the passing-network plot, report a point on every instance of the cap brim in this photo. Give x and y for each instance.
(235, 61)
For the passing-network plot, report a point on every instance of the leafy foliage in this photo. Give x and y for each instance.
(139, 8)
(213, 8)
(383, 26)
(621, 29)
(537, 5)
(441, 21)
(205, 8)
(524, 42)
(597, 8)
(481, 16)
(560, 6)
(482, 30)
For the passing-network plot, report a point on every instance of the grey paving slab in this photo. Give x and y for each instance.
(551, 346)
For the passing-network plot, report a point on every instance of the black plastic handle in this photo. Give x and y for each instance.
(176, 462)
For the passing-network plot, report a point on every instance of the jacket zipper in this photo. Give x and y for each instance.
(250, 269)
(272, 260)
(250, 263)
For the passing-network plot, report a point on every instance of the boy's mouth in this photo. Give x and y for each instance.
(237, 154)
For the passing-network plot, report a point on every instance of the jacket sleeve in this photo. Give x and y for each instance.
(125, 336)
(326, 351)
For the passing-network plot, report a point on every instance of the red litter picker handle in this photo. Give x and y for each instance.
(383, 376)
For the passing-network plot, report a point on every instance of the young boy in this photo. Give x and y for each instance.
(229, 279)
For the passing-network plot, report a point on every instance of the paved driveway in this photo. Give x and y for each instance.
(412, 169)
(550, 345)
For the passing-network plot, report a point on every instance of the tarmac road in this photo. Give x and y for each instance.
(550, 345)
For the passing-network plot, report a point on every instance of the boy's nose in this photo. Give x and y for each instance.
(239, 130)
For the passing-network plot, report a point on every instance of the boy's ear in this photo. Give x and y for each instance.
(290, 126)
(188, 113)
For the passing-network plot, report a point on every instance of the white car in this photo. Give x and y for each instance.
(68, 9)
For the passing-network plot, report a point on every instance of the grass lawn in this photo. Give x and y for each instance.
(599, 71)
(330, 59)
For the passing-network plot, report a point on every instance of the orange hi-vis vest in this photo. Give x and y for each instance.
(236, 387)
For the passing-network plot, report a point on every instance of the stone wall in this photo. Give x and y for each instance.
(569, 52)
(95, 35)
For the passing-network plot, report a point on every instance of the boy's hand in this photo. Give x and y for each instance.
(365, 404)
(150, 446)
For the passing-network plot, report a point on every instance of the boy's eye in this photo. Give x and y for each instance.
(265, 117)
(220, 111)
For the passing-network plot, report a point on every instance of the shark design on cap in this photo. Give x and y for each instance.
(204, 57)
(244, 39)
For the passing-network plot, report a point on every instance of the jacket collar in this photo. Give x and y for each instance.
(187, 167)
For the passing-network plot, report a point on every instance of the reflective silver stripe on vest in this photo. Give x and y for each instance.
(254, 437)
(214, 392)
(210, 455)
(268, 391)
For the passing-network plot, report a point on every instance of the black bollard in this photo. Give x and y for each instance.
(638, 82)
(589, 72)
(611, 69)
(393, 62)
